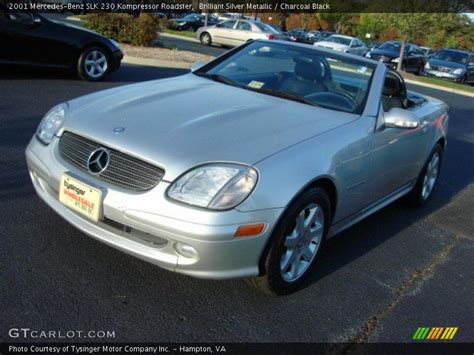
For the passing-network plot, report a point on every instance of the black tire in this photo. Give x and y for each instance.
(206, 39)
(82, 68)
(463, 79)
(420, 70)
(190, 28)
(416, 197)
(273, 282)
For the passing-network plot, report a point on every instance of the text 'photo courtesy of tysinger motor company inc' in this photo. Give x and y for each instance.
(236, 177)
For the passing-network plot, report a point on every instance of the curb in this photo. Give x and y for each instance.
(150, 62)
(171, 35)
(72, 18)
(441, 88)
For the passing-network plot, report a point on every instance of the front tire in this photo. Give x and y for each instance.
(427, 179)
(93, 64)
(296, 243)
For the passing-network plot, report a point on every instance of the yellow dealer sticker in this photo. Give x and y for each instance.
(80, 197)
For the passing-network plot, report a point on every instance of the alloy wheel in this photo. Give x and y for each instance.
(96, 64)
(431, 175)
(302, 244)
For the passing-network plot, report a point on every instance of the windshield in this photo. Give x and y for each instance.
(341, 40)
(452, 56)
(391, 47)
(192, 17)
(306, 75)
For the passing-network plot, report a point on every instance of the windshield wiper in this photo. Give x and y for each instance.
(218, 78)
(283, 95)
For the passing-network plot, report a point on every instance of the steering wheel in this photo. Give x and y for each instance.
(336, 99)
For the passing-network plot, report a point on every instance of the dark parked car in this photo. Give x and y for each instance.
(193, 21)
(31, 39)
(389, 53)
(453, 65)
(300, 36)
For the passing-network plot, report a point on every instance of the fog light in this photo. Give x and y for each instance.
(186, 250)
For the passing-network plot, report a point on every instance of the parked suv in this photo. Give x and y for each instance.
(453, 65)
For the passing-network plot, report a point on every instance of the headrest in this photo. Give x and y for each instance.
(391, 87)
(307, 68)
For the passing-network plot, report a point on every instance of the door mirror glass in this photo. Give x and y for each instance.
(401, 118)
(197, 65)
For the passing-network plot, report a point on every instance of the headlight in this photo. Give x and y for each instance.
(368, 55)
(51, 123)
(458, 71)
(214, 186)
(181, 23)
(396, 60)
(116, 44)
(427, 65)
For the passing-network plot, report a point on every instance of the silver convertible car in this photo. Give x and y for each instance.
(244, 167)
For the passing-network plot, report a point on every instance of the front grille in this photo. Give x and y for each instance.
(123, 170)
(441, 69)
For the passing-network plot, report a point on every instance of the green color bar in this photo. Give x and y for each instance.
(425, 333)
(417, 333)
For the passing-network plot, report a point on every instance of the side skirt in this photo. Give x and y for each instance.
(372, 208)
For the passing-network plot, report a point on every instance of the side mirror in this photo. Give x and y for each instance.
(197, 65)
(400, 118)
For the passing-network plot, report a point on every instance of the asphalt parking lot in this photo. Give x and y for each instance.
(379, 281)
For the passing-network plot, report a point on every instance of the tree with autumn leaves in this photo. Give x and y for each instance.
(436, 30)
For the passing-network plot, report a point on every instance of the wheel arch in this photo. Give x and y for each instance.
(327, 183)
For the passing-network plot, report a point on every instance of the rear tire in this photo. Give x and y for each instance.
(295, 244)
(93, 64)
(420, 70)
(428, 178)
(206, 39)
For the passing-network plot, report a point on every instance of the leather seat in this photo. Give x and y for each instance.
(305, 80)
(394, 93)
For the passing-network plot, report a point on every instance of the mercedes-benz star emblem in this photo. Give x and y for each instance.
(98, 161)
(119, 129)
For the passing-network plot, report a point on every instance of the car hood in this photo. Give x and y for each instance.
(74, 28)
(332, 45)
(185, 121)
(446, 64)
(385, 53)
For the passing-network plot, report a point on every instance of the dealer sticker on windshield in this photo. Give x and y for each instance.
(255, 84)
(80, 197)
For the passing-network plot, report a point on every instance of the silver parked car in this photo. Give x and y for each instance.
(236, 32)
(243, 167)
(345, 44)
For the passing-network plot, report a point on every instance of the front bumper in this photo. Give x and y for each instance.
(442, 75)
(149, 226)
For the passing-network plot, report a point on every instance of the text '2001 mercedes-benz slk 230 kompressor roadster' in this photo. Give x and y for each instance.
(243, 167)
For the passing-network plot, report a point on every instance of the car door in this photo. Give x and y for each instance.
(470, 69)
(32, 40)
(356, 47)
(16, 43)
(396, 153)
(222, 33)
(243, 32)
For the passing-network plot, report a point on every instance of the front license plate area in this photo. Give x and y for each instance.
(80, 197)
